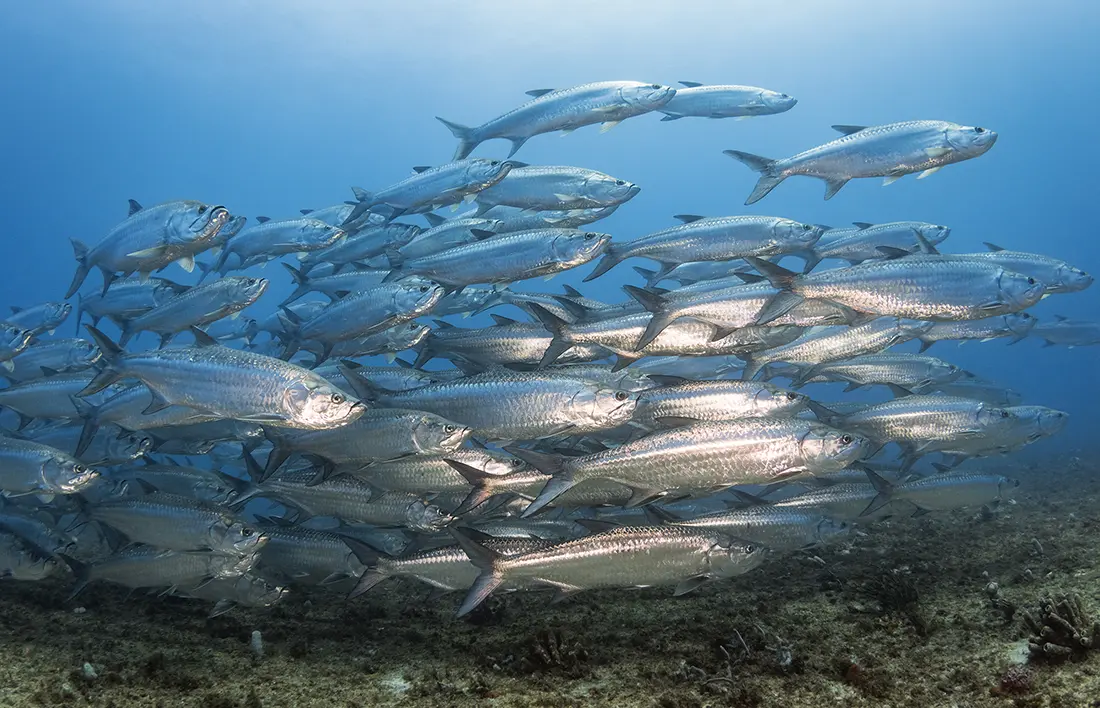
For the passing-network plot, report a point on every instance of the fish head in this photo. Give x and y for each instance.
(1006, 488)
(315, 234)
(775, 401)
(933, 233)
(1044, 421)
(1070, 280)
(416, 294)
(128, 445)
(646, 96)
(968, 141)
(54, 313)
(425, 517)
(14, 339)
(940, 371)
(195, 222)
(249, 328)
(607, 189)
(248, 289)
(83, 354)
(579, 247)
(406, 336)
(316, 404)
(1019, 323)
(827, 449)
(238, 536)
(773, 102)
(434, 435)
(828, 529)
(797, 235)
(770, 337)
(231, 565)
(68, 475)
(603, 407)
(254, 591)
(1019, 290)
(729, 557)
(232, 227)
(484, 173)
(497, 464)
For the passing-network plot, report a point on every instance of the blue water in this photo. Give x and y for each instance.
(271, 107)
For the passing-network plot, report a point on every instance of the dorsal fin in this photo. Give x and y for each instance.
(134, 207)
(421, 168)
(862, 224)
(433, 219)
(571, 291)
(688, 218)
(16, 310)
(535, 93)
(690, 84)
(203, 339)
(993, 247)
(849, 129)
(502, 320)
(263, 219)
(303, 212)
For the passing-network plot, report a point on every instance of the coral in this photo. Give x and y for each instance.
(1061, 629)
(549, 651)
(896, 593)
(1017, 680)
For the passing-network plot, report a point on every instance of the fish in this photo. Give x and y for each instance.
(724, 101)
(333, 286)
(19, 560)
(512, 405)
(361, 246)
(233, 329)
(863, 243)
(508, 257)
(150, 239)
(107, 445)
(713, 401)
(694, 272)
(1057, 275)
(448, 234)
(28, 467)
(720, 238)
(40, 319)
(775, 528)
(50, 357)
(891, 151)
(606, 102)
(127, 298)
(13, 340)
(177, 523)
(912, 372)
(387, 343)
(847, 502)
(981, 390)
(1070, 333)
(943, 492)
(273, 238)
(551, 187)
(197, 307)
(508, 342)
(446, 569)
(430, 188)
(306, 556)
(248, 590)
(917, 287)
(388, 378)
(1016, 326)
(629, 556)
(181, 480)
(471, 300)
(228, 383)
(702, 456)
(513, 219)
(443, 474)
(148, 567)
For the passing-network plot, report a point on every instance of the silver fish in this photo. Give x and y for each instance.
(127, 298)
(980, 390)
(448, 234)
(198, 306)
(514, 405)
(388, 343)
(40, 319)
(1016, 325)
(776, 528)
(912, 372)
(548, 188)
(148, 567)
(229, 383)
(943, 492)
(630, 556)
(715, 400)
(307, 556)
(271, 239)
(1071, 333)
(13, 340)
(19, 560)
(150, 239)
(512, 219)
(31, 467)
(107, 445)
(388, 378)
(362, 246)
(178, 523)
(703, 457)
(51, 357)
(233, 329)
(181, 480)
(430, 188)
(509, 342)
(246, 591)
(508, 257)
(333, 286)
(719, 238)
(891, 151)
(720, 101)
(863, 242)
(606, 102)
(1056, 275)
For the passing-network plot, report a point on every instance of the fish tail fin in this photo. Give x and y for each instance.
(883, 488)
(365, 390)
(112, 356)
(478, 479)
(658, 306)
(769, 178)
(781, 279)
(301, 283)
(649, 275)
(610, 260)
(752, 368)
(466, 139)
(79, 311)
(81, 571)
(561, 477)
(561, 342)
(80, 253)
(487, 561)
(88, 412)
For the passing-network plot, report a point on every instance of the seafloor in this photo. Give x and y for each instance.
(900, 616)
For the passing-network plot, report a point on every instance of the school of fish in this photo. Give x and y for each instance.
(587, 444)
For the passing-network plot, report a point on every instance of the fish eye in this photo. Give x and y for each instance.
(202, 210)
(621, 395)
(792, 396)
(80, 469)
(247, 532)
(449, 428)
(1004, 414)
(494, 163)
(1031, 281)
(783, 95)
(979, 130)
(516, 462)
(337, 398)
(655, 86)
(620, 182)
(846, 439)
(423, 288)
(750, 549)
(589, 237)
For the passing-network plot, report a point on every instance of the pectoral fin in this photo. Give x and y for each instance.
(937, 151)
(929, 171)
(604, 127)
(890, 179)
